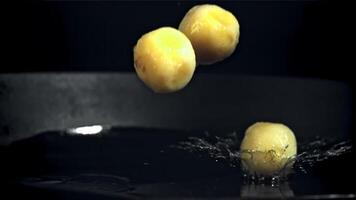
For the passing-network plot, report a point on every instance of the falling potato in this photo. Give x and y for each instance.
(164, 60)
(213, 31)
(267, 149)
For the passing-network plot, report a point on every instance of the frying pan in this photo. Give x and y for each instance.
(132, 158)
(34, 103)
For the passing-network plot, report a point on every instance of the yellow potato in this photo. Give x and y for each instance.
(267, 147)
(164, 60)
(213, 31)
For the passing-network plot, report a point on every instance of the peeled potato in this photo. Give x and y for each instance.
(164, 60)
(213, 31)
(268, 148)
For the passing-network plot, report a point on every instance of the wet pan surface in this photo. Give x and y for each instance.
(144, 163)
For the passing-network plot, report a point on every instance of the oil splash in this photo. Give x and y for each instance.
(318, 150)
(218, 148)
(226, 149)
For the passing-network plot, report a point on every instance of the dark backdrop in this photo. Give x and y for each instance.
(288, 38)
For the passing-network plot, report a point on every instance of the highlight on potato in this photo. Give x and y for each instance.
(164, 60)
(213, 31)
(268, 149)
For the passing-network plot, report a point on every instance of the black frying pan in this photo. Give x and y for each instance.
(132, 157)
(33, 103)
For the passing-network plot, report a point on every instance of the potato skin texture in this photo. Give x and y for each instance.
(213, 31)
(164, 60)
(271, 146)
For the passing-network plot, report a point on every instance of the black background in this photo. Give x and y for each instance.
(284, 38)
